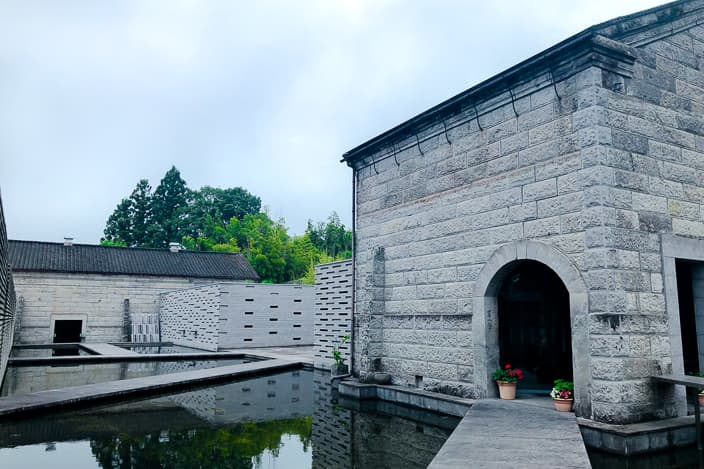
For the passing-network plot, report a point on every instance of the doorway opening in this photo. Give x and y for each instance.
(534, 325)
(690, 281)
(67, 330)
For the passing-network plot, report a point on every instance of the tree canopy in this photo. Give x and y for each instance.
(224, 220)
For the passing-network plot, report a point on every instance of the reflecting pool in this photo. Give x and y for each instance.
(21, 379)
(285, 420)
(163, 349)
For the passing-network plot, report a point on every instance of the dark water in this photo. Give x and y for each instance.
(285, 420)
(27, 379)
(159, 349)
(677, 458)
(44, 352)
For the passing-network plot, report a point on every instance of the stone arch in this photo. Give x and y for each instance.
(485, 316)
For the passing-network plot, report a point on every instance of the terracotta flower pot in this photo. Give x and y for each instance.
(563, 405)
(507, 390)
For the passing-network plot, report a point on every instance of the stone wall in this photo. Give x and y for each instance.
(238, 315)
(7, 299)
(333, 311)
(191, 317)
(648, 180)
(265, 315)
(597, 167)
(426, 226)
(98, 300)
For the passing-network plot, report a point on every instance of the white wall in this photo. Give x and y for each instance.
(98, 299)
(238, 315)
(265, 315)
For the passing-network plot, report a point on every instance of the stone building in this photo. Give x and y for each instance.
(550, 216)
(72, 292)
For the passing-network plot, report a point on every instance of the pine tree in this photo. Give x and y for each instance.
(169, 206)
(118, 228)
(141, 213)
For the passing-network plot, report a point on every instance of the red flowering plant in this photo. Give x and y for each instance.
(507, 374)
(562, 389)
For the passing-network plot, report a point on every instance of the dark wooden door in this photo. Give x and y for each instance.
(534, 325)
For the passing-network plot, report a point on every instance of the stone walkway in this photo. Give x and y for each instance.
(14, 405)
(107, 349)
(514, 434)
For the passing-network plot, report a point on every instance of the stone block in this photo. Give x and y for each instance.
(540, 190)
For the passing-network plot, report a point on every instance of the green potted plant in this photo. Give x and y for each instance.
(339, 367)
(507, 379)
(563, 395)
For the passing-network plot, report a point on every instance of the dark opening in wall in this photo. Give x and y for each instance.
(688, 324)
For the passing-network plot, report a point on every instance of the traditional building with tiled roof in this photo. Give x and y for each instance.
(71, 292)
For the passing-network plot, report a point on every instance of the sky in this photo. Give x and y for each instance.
(265, 95)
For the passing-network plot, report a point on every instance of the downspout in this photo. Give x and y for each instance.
(354, 262)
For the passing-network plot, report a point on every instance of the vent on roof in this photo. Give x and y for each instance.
(68, 241)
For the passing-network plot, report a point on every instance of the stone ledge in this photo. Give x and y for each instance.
(427, 400)
(634, 438)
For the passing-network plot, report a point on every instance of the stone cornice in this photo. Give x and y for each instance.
(563, 60)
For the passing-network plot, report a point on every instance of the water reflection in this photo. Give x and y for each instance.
(283, 420)
(21, 379)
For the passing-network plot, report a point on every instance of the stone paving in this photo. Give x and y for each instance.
(93, 392)
(524, 433)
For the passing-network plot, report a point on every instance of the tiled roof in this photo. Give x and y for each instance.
(41, 256)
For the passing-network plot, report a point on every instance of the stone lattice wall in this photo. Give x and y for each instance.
(333, 310)
(265, 315)
(191, 317)
(238, 315)
(144, 327)
(100, 298)
(7, 299)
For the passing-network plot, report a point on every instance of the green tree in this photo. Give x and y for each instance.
(331, 237)
(118, 228)
(214, 205)
(169, 206)
(141, 213)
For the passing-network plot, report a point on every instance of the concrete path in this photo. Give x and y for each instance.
(301, 353)
(513, 434)
(107, 349)
(13, 405)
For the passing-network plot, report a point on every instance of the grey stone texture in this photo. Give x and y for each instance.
(508, 434)
(98, 300)
(233, 315)
(8, 299)
(596, 167)
(333, 311)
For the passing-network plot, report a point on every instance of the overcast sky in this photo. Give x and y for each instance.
(266, 95)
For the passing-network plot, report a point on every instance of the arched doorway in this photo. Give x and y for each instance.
(485, 318)
(534, 325)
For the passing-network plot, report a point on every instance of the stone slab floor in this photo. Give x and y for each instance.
(525, 433)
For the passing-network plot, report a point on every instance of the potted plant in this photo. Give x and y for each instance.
(339, 367)
(507, 378)
(700, 396)
(563, 395)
